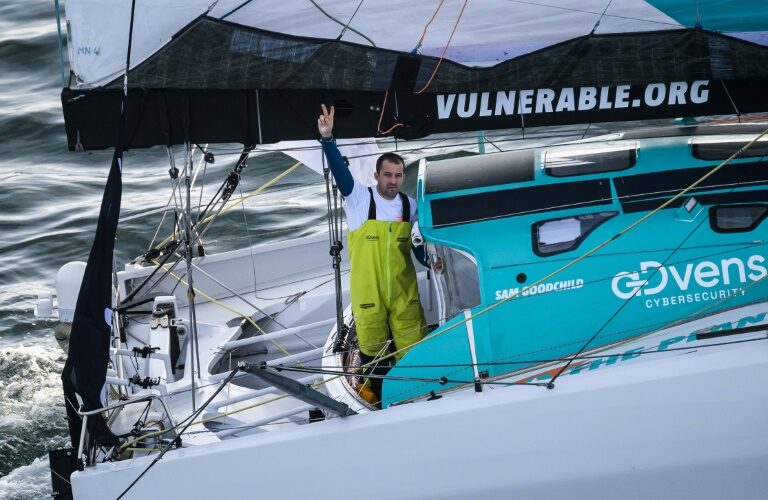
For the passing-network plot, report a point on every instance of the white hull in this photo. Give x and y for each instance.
(688, 426)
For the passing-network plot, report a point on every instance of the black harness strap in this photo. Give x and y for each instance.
(403, 198)
(371, 206)
(406, 207)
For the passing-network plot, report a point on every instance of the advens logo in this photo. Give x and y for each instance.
(669, 285)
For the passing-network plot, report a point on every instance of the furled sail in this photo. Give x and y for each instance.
(256, 71)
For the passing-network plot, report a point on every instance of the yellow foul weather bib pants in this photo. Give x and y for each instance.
(383, 286)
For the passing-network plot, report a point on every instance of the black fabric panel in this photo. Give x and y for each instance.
(479, 171)
(160, 117)
(85, 370)
(757, 196)
(509, 202)
(214, 54)
(654, 185)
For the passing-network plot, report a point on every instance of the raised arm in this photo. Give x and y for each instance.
(336, 164)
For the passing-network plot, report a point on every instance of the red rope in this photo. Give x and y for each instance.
(424, 33)
(442, 56)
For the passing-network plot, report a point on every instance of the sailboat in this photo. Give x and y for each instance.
(598, 318)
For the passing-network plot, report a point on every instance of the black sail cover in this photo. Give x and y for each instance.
(218, 81)
(85, 369)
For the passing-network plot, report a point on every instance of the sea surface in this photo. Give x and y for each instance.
(49, 203)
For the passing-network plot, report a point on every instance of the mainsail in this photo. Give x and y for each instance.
(254, 72)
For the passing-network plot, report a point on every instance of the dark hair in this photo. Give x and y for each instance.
(390, 157)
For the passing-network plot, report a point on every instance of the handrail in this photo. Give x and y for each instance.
(233, 344)
(266, 420)
(259, 392)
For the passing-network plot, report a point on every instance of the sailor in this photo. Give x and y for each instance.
(383, 288)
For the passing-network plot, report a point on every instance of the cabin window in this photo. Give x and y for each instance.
(736, 218)
(561, 235)
(456, 281)
(582, 159)
(720, 148)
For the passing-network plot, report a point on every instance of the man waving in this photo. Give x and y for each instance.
(383, 288)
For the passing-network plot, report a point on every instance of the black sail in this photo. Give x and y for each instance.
(85, 370)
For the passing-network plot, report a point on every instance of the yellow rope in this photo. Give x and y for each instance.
(210, 218)
(228, 308)
(240, 200)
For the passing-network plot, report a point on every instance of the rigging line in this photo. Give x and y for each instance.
(600, 18)
(228, 308)
(656, 326)
(235, 9)
(445, 49)
(498, 380)
(346, 26)
(710, 187)
(698, 15)
(726, 299)
(172, 443)
(202, 186)
(607, 322)
(214, 201)
(172, 164)
(758, 328)
(492, 143)
(586, 130)
(651, 328)
(725, 87)
(596, 248)
(440, 380)
(426, 26)
(221, 415)
(582, 11)
(381, 117)
(61, 48)
(634, 294)
(353, 30)
(204, 164)
(250, 246)
(257, 191)
(128, 60)
(416, 150)
(234, 293)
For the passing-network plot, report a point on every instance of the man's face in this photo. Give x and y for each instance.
(389, 178)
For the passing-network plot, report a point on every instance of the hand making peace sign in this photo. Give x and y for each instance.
(325, 122)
